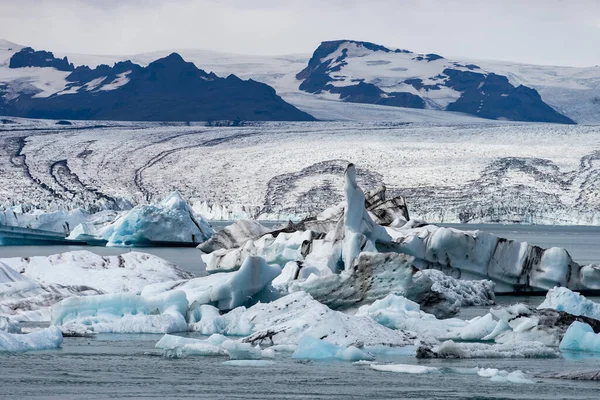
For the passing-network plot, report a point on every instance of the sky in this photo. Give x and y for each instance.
(551, 32)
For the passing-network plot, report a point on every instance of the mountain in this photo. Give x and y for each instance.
(363, 72)
(167, 89)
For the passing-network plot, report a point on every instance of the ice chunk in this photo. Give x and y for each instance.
(61, 222)
(581, 337)
(234, 235)
(397, 312)
(405, 368)
(225, 290)
(213, 346)
(497, 375)
(211, 321)
(44, 339)
(376, 275)
(9, 326)
(352, 353)
(310, 348)
(249, 363)
(124, 313)
(450, 349)
(563, 299)
(128, 272)
(170, 221)
(288, 319)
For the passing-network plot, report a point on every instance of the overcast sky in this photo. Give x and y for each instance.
(557, 32)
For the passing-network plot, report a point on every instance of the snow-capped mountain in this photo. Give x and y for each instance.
(167, 89)
(363, 72)
(567, 93)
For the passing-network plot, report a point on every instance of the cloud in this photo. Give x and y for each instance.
(537, 31)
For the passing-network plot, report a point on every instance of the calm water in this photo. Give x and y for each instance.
(128, 366)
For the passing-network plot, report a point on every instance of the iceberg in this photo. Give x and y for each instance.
(44, 339)
(215, 345)
(287, 320)
(541, 325)
(310, 348)
(225, 290)
(249, 363)
(397, 312)
(9, 326)
(170, 221)
(234, 235)
(581, 337)
(497, 375)
(405, 368)
(128, 272)
(61, 222)
(451, 349)
(375, 275)
(563, 299)
(123, 313)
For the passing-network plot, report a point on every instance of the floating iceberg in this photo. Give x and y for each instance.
(451, 349)
(123, 313)
(44, 339)
(215, 345)
(288, 319)
(405, 368)
(310, 348)
(397, 312)
(249, 363)
(581, 337)
(234, 235)
(170, 221)
(61, 222)
(563, 299)
(128, 272)
(225, 291)
(528, 324)
(497, 375)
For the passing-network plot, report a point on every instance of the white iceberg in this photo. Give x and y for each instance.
(61, 222)
(405, 368)
(451, 349)
(397, 312)
(44, 339)
(249, 363)
(497, 375)
(563, 299)
(215, 345)
(123, 313)
(581, 337)
(170, 221)
(288, 319)
(226, 290)
(128, 272)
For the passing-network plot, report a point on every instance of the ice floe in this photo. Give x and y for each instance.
(43, 339)
(563, 299)
(123, 313)
(451, 349)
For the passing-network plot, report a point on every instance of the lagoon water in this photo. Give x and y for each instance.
(128, 366)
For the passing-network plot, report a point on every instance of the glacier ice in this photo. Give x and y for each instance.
(310, 348)
(234, 235)
(397, 312)
(563, 299)
(128, 272)
(405, 368)
(123, 313)
(43, 339)
(225, 290)
(47, 280)
(215, 345)
(497, 375)
(288, 319)
(9, 326)
(61, 222)
(580, 337)
(170, 221)
(451, 349)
